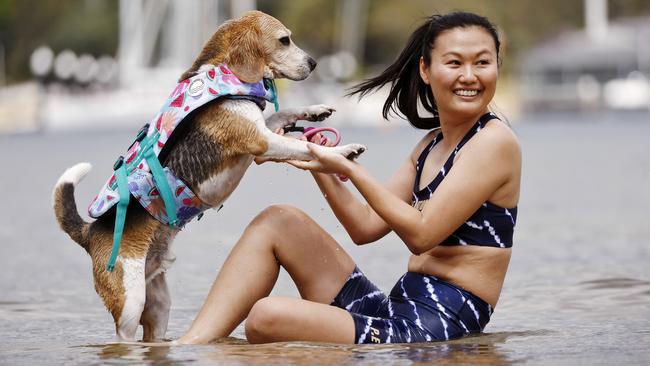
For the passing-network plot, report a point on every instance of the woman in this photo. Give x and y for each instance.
(457, 222)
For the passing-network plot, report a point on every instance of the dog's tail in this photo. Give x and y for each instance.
(65, 206)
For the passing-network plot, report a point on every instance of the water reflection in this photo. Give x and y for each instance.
(631, 292)
(483, 349)
(129, 353)
(614, 283)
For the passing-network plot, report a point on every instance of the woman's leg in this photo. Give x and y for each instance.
(279, 235)
(282, 319)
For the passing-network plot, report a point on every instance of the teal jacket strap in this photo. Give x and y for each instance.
(274, 92)
(120, 215)
(145, 144)
(160, 180)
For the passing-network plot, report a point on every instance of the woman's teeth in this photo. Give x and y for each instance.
(466, 93)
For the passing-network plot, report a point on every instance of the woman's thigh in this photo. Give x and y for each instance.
(315, 261)
(282, 319)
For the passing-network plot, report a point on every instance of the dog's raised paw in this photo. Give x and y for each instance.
(352, 151)
(317, 113)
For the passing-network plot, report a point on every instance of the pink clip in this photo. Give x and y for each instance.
(310, 132)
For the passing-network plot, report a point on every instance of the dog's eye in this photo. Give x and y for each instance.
(285, 41)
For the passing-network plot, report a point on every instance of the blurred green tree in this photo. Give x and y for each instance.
(84, 26)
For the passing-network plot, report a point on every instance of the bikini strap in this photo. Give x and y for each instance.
(468, 136)
(450, 160)
(419, 164)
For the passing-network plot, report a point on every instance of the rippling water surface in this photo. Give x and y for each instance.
(577, 292)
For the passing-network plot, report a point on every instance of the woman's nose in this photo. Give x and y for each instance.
(467, 74)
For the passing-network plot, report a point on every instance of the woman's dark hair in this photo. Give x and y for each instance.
(407, 87)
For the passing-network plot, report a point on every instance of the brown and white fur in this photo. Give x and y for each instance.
(219, 144)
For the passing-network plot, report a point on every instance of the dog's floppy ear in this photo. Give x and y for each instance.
(246, 57)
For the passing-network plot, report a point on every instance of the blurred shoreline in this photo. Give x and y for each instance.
(31, 107)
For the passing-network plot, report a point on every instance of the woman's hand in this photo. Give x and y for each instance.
(324, 162)
(317, 167)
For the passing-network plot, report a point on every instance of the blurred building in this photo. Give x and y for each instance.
(166, 35)
(604, 66)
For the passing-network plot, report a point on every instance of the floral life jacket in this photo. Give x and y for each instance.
(140, 174)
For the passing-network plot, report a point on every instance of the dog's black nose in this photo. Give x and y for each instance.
(312, 63)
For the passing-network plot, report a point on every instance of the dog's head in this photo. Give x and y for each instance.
(255, 46)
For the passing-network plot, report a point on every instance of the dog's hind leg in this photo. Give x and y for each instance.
(133, 281)
(290, 116)
(155, 316)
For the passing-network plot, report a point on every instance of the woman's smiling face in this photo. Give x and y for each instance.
(463, 71)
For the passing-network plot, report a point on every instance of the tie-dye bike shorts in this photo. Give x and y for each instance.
(420, 308)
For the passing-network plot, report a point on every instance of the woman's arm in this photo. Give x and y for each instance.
(485, 164)
(359, 219)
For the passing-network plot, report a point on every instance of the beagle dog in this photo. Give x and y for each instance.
(217, 146)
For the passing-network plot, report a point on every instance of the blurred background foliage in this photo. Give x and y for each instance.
(91, 26)
(85, 26)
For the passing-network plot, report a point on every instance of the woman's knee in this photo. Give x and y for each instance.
(265, 319)
(280, 220)
(280, 215)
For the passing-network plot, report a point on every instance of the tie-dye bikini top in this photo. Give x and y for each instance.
(490, 225)
(187, 96)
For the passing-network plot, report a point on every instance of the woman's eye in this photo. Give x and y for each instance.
(453, 62)
(484, 62)
(285, 41)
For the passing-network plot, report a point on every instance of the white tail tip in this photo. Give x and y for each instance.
(74, 174)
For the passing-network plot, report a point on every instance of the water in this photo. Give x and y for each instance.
(577, 291)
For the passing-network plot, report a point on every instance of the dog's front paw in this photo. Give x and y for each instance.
(351, 151)
(316, 113)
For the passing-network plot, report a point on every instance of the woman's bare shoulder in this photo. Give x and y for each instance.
(496, 138)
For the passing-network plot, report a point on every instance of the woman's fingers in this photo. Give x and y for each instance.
(313, 150)
(315, 139)
(304, 165)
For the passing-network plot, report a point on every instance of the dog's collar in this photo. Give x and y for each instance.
(270, 95)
